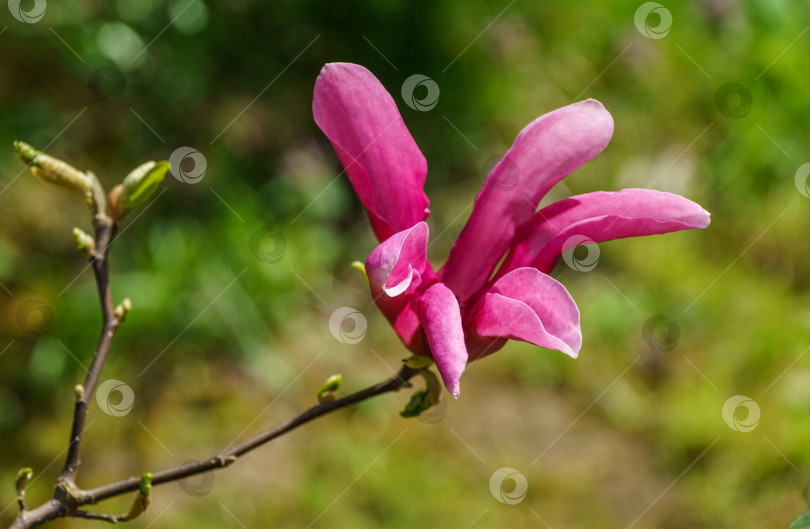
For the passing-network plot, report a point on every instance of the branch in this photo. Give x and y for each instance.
(229, 456)
(105, 231)
(67, 503)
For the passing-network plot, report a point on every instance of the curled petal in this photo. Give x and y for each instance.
(396, 269)
(441, 318)
(548, 149)
(383, 162)
(600, 216)
(530, 306)
(392, 264)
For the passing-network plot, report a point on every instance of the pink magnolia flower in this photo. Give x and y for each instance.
(471, 307)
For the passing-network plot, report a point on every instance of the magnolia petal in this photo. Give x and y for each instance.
(533, 307)
(383, 162)
(548, 149)
(392, 264)
(396, 269)
(598, 217)
(441, 319)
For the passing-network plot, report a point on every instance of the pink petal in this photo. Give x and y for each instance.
(549, 148)
(600, 216)
(530, 306)
(378, 153)
(396, 269)
(440, 316)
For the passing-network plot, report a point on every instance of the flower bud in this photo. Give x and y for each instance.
(326, 393)
(55, 171)
(123, 309)
(137, 188)
(85, 243)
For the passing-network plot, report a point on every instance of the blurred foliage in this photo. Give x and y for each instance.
(233, 278)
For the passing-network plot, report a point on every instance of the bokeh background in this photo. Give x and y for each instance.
(230, 336)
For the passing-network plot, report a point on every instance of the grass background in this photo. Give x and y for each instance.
(629, 435)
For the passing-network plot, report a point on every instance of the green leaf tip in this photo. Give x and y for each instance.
(362, 267)
(326, 393)
(26, 153)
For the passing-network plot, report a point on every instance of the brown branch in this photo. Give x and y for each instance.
(68, 499)
(105, 231)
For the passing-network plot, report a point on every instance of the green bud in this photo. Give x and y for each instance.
(326, 393)
(362, 267)
(122, 310)
(55, 171)
(23, 475)
(145, 486)
(26, 153)
(142, 182)
(85, 243)
(137, 188)
(141, 501)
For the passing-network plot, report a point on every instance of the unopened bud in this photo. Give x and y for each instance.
(326, 393)
(85, 243)
(137, 188)
(56, 171)
(123, 309)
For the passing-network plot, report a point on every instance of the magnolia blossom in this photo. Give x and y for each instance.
(471, 306)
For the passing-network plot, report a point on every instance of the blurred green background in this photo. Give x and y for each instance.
(228, 337)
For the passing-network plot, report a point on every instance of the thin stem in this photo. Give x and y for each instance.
(105, 231)
(229, 456)
(59, 506)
